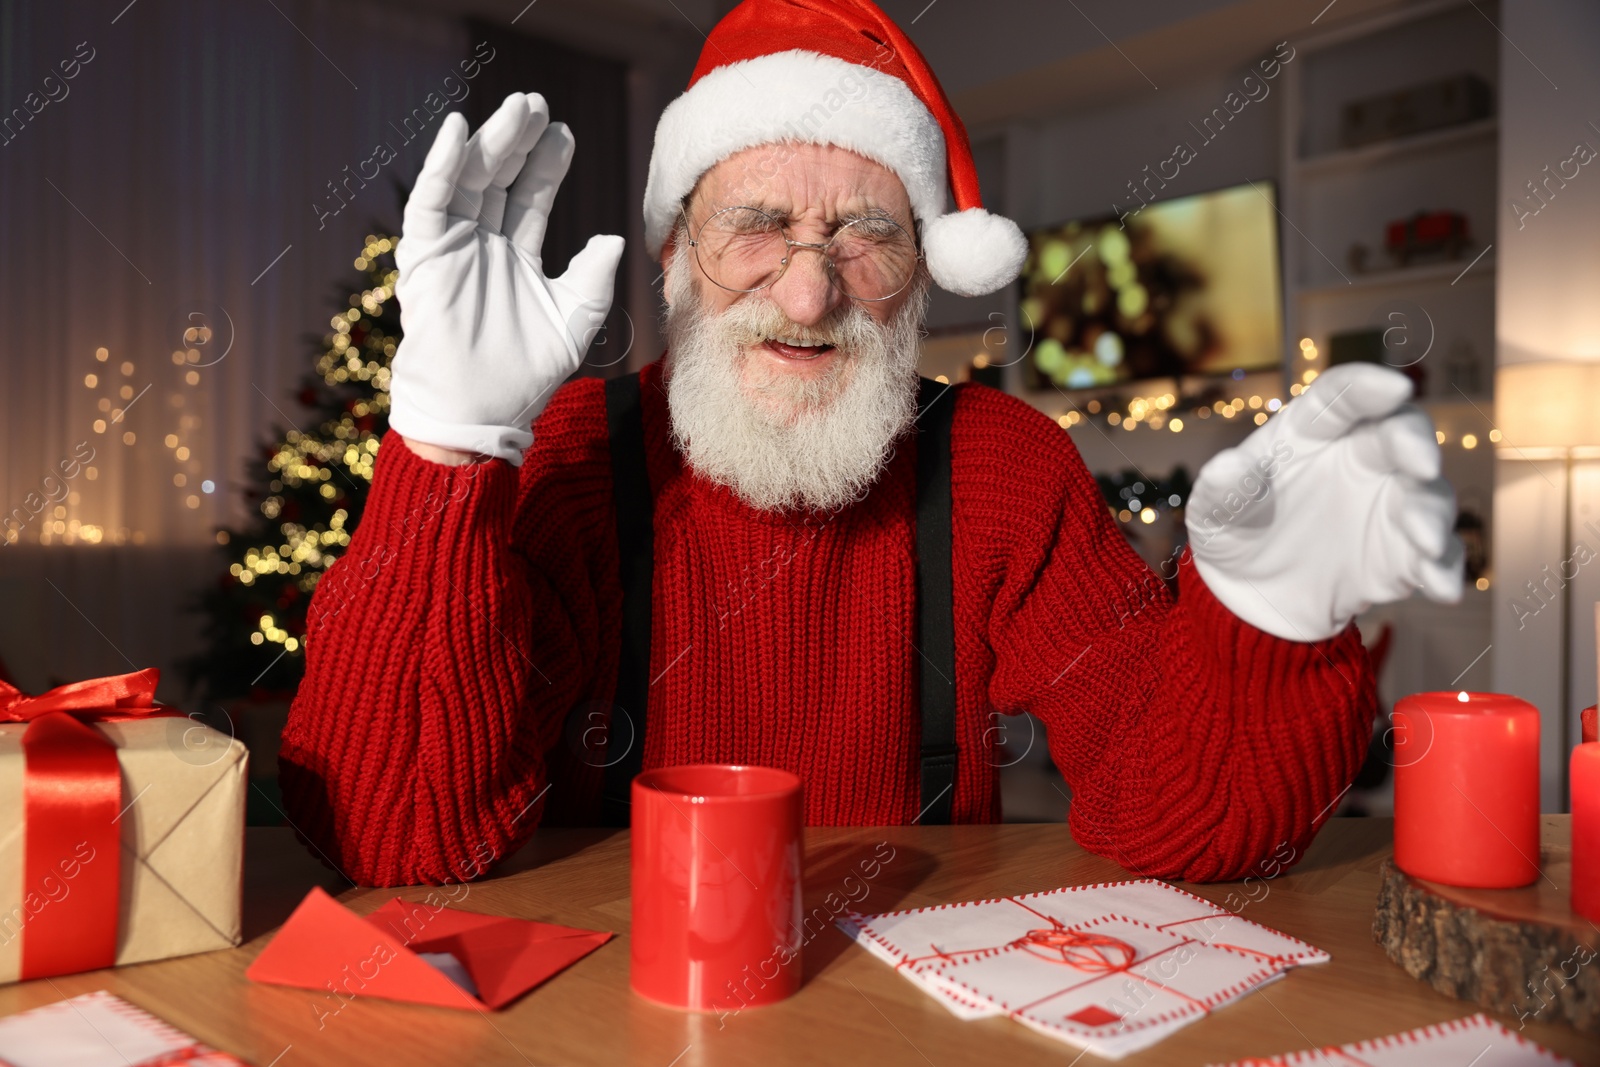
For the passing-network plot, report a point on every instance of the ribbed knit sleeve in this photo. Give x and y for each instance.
(1194, 744)
(443, 652)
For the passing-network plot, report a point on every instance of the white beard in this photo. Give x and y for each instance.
(777, 440)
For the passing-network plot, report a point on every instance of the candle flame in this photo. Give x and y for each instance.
(1462, 696)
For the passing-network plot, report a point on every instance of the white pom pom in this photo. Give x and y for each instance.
(972, 252)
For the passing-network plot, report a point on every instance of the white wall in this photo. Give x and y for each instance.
(969, 44)
(1081, 164)
(1546, 308)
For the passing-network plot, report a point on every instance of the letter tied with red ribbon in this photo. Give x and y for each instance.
(72, 791)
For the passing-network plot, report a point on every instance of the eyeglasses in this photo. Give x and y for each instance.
(743, 249)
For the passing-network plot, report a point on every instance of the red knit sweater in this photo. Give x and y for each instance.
(455, 652)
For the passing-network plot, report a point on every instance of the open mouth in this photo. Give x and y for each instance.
(795, 348)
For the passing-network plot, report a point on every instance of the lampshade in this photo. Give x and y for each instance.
(1548, 404)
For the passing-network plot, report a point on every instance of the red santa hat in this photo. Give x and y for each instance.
(835, 72)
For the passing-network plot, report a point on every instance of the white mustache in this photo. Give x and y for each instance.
(757, 319)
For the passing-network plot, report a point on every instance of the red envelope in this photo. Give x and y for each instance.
(329, 948)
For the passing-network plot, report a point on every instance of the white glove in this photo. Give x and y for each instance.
(1333, 506)
(488, 337)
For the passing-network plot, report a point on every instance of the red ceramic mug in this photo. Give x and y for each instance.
(716, 886)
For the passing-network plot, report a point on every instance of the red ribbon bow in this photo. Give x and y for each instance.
(114, 696)
(72, 789)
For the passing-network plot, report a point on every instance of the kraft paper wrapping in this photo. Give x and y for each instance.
(183, 788)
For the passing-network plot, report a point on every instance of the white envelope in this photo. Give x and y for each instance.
(1112, 968)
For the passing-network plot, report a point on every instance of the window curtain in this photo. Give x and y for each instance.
(186, 175)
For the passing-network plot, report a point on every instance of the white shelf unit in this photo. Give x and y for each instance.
(1334, 197)
(1455, 271)
(1416, 144)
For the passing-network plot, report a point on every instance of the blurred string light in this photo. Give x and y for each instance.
(1166, 411)
(1170, 413)
(57, 526)
(1130, 496)
(1135, 498)
(1308, 374)
(119, 396)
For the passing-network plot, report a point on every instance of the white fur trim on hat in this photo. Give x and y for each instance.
(798, 96)
(972, 252)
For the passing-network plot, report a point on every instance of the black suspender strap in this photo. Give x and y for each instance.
(636, 557)
(935, 602)
(635, 509)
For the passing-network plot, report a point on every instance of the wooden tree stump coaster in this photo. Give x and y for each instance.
(1523, 951)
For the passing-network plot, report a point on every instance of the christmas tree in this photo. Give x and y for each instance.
(308, 498)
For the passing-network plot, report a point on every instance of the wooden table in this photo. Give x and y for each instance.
(852, 1008)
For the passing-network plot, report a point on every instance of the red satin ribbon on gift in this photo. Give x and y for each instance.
(72, 790)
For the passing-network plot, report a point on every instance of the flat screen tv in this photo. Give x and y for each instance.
(1188, 286)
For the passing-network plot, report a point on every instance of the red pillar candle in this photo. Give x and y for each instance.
(1586, 830)
(1591, 729)
(1466, 789)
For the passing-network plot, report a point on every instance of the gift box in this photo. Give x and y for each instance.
(121, 829)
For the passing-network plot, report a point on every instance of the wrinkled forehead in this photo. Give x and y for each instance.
(810, 181)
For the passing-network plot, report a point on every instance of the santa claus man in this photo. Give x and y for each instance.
(775, 546)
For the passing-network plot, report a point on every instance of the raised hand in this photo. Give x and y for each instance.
(1333, 506)
(488, 335)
